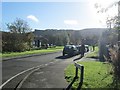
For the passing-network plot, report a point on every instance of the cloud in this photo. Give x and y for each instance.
(31, 17)
(71, 22)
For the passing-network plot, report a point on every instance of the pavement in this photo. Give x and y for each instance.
(51, 76)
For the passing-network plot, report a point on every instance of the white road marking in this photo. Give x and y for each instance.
(44, 79)
(46, 64)
(21, 83)
(51, 62)
(24, 72)
(39, 73)
(18, 75)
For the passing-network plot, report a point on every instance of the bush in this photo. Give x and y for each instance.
(115, 57)
(14, 42)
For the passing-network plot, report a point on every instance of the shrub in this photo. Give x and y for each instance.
(15, 42)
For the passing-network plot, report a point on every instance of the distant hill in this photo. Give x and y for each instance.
(91, 31)
(83, 32)
(63, 37)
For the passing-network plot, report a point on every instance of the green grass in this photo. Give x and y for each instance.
(93, 54)
(96, 74)
(42, 51)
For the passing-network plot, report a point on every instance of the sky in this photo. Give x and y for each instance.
(56, 15)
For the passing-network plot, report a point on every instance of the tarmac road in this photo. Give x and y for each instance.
(50, 76)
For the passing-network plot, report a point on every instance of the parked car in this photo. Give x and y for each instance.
(79, 48)
(70, 50)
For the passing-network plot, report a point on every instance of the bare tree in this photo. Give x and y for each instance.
(19, 26)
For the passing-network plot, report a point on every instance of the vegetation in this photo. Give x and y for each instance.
(19, 38)
(94, 54)
(96, 75)
(0, 41)
(15, 42)
(18, 26)
(15, 54)
(63, 37)
(112, 38)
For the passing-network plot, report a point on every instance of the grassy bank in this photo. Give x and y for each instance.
(93, 54)
(96, 74)
(42, 51)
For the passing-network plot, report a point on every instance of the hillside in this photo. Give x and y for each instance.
(83, 32)
(62, 37)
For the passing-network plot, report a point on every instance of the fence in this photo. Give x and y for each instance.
(81, 67)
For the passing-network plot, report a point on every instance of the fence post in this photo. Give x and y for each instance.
(76, 74)
(78, 66)
(81, 77)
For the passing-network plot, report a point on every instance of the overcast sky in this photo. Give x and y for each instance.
(57, 15)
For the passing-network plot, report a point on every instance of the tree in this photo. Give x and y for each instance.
(0, 40)
(19, 26)
(113, 38)
(19, 38)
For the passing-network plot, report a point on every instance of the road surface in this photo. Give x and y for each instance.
(48, 75)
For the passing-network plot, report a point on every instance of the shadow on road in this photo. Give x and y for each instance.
(77, 59)
(63, 57)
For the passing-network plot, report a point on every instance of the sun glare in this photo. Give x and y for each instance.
(97, 5)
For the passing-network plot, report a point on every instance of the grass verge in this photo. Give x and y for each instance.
(93, 54)
(96, 75)
(42, 51)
